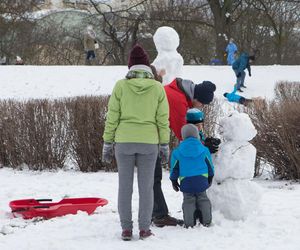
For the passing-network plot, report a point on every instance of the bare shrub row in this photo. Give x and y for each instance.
(43, 134)
(278, 125)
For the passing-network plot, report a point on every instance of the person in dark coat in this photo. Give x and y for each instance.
(239, 65)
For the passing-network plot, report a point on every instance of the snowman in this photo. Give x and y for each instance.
(166, 41)
(233, 192)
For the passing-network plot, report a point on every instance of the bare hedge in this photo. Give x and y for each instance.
(278, 125)
(43, 134)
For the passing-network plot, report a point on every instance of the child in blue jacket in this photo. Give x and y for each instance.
(239, 65)
(191, 163)
(233, 97)
(196, 117)
(231, 51)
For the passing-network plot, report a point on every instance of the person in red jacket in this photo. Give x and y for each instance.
(184, 94)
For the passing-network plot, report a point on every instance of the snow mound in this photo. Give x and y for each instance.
(235, 199)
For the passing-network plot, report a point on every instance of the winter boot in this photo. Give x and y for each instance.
(126, 235)
(167, 221)
(145, 234)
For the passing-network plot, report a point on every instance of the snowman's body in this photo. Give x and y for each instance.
(233, 192)
(166, 41)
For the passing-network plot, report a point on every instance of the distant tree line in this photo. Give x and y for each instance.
(270, 26)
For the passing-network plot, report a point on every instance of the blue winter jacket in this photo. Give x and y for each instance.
(233, 97)
(242, 63)
(231, 49)
(191, 162)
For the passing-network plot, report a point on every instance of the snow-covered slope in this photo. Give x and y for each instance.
(57, 81)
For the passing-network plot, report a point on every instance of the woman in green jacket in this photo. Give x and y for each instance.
(138, 124)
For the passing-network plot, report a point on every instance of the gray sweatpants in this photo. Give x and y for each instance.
(194, 205)
(142, 155)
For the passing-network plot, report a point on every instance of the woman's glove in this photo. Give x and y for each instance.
(107, 152)
(164, 153)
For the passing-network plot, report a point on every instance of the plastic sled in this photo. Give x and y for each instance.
(31, 208)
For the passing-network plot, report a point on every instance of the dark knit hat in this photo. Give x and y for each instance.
(204, 92)
(189, 130)
(194, 116)
(225, 94)
(138, 56)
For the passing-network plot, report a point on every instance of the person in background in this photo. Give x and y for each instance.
(191, 163)
(137, 123)
(231, 51)
(89, 44)
(239, 65)
(233, 97)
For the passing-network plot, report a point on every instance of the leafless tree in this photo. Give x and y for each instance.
(281, 16)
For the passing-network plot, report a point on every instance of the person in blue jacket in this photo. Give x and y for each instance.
(231, 51)
(191, 163)
(196, 116)
(233, 97)
(239, 65)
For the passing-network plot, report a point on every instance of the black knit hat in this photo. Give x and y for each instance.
(204, 92)
(138, 56)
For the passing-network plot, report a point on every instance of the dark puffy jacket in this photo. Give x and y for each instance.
(242, 63)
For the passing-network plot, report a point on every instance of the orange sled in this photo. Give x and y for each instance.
(31, 208)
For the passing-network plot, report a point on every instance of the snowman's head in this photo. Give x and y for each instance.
(237, 127)
(166, 39)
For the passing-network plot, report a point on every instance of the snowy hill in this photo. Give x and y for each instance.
(55, 81)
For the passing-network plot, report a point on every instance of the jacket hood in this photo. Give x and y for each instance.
(191, 147)
(141, 85)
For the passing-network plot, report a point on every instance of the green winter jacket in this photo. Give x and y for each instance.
(138, 112)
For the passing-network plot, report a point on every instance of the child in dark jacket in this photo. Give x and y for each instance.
(239, 65)
(191, 163)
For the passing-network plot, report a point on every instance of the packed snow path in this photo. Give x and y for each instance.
(276, 225)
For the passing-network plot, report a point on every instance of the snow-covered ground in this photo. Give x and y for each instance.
(274, 226)
(57, 81)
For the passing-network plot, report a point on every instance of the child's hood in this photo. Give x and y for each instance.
(191, 147)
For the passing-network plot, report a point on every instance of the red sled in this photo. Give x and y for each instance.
(31, 208)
